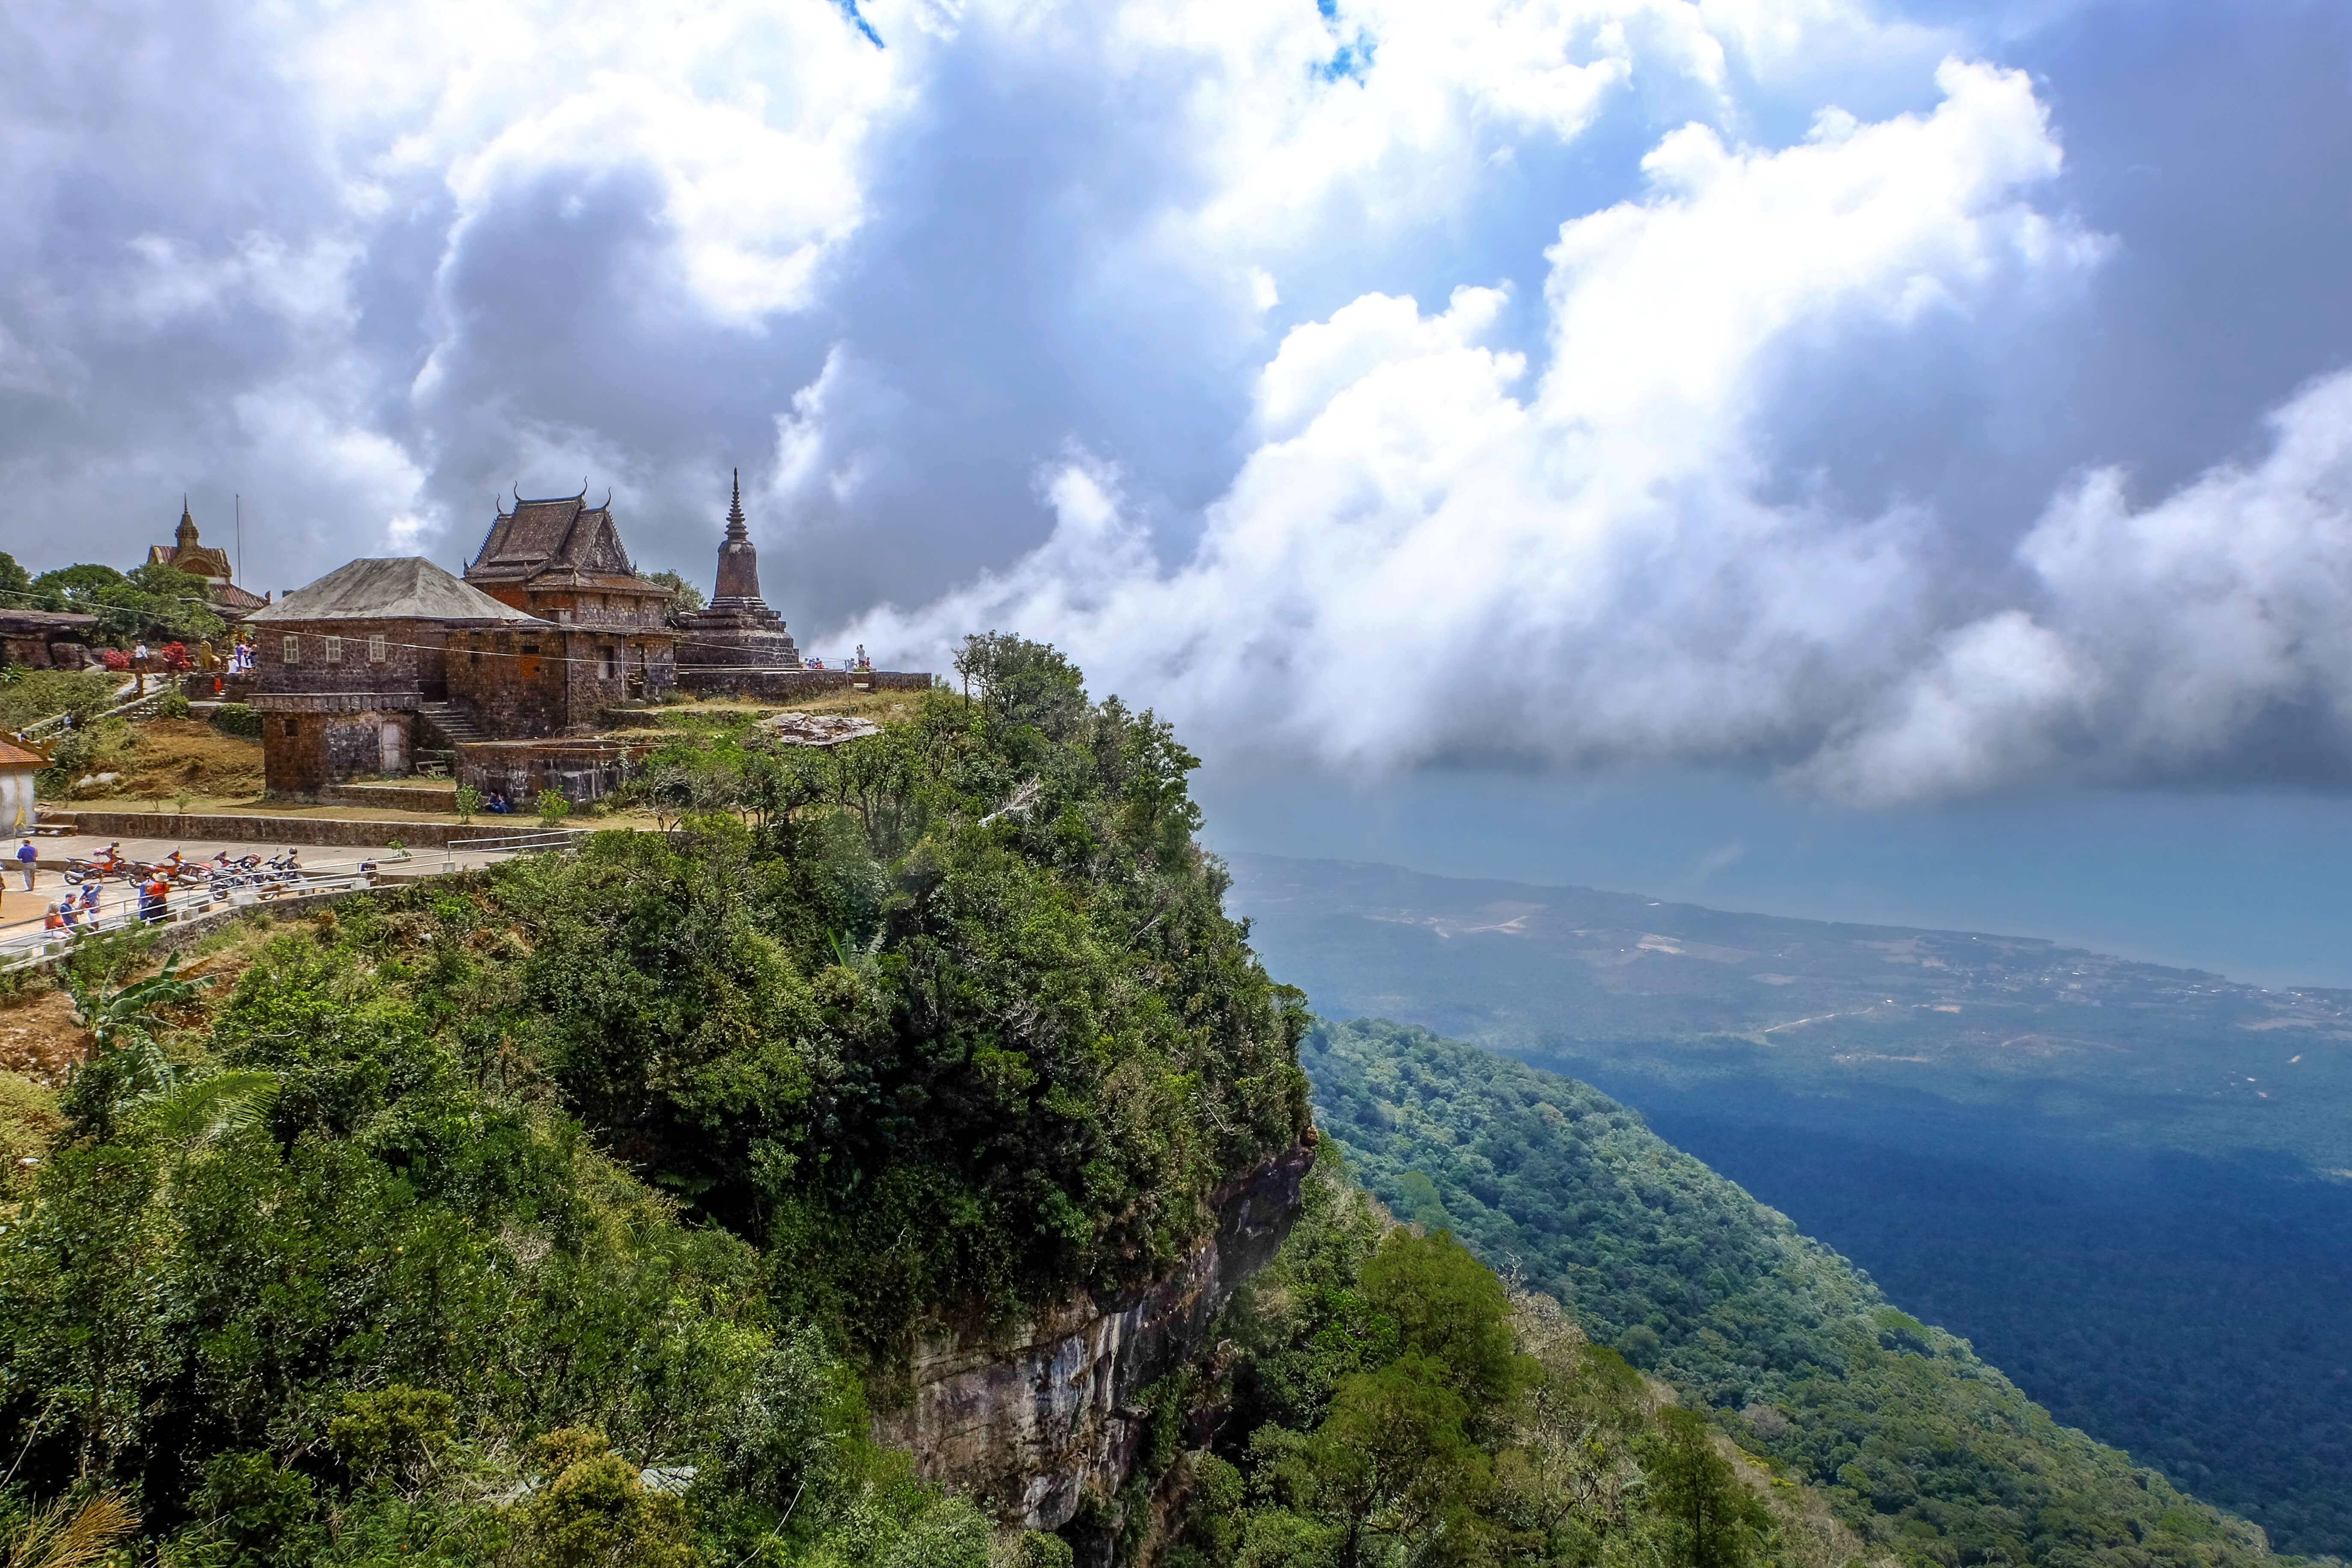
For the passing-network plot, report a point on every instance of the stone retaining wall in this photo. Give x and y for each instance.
(395, 796)
(794, 685)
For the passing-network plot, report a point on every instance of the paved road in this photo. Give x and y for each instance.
(22, 910)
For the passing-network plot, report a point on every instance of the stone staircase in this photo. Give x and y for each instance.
(456, 725)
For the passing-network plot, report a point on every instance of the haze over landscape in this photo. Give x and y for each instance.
(1754, 595)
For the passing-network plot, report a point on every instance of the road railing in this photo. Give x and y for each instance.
(191, 906)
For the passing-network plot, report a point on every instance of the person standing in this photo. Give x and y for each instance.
(154, 895)
(28, 861)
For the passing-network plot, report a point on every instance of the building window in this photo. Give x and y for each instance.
(612, 664)
(292, 728)
(334, 650)
(375, 649)
(293, 650)
(530, 647)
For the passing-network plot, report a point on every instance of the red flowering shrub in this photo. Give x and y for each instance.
(115, 658)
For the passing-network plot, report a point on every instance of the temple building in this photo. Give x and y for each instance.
(354, 673)
(562, 561)
(188, 553)
(728, 647)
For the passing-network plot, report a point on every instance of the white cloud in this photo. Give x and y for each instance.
(1047, 269)
(2162, 639)
(1419, 560)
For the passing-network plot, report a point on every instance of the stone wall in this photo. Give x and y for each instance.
(798, 685)
(522, 685)
(304, 753)
(410, 670)
(1030, 1421)
(579, 770)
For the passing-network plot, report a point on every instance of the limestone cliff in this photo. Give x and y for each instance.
(1029, 1419)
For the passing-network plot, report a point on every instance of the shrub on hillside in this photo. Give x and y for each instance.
(237, 719)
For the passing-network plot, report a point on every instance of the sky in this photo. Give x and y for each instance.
(1913, 415)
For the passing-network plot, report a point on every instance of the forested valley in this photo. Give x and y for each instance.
(2128, 1186)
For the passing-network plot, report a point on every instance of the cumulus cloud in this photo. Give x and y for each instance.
(1579, 380)
(1428, 556)
(2203, 635)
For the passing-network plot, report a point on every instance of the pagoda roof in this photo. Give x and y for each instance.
(406, 587)
(560, 540)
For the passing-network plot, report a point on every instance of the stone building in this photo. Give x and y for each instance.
(561, 562)
(190, 554)
(348, 671)
(730, 645)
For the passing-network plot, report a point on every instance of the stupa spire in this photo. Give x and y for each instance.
(187, 529)
(736, 529)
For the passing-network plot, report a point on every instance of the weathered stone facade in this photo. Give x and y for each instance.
(562, 562)
(343, 667)
(304, 749)
(518, 770)
(738, 641)
(523, 683)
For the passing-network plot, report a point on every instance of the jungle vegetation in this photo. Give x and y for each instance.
(572, 1213)
(1922, 1448)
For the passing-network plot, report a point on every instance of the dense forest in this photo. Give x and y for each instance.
(1381, 1397)
(576, 1211)
(2126, 1186)
(1926, 1450)
(2186, 1309)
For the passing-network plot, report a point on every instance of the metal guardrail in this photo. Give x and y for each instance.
(29, 949)
(38, 947)
(509, 844)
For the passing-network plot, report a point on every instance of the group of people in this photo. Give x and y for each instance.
(72, 913)
(78, 911)
(860, 662)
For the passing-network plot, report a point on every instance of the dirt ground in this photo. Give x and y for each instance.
(167, 755)
(37, 1037)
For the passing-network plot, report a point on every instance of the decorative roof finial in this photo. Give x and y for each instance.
(737, 530)
(187, 529)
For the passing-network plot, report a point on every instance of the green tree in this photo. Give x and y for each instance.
(1717, 1521)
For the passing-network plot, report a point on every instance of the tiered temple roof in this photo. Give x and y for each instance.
(188, 553)
(561, 542)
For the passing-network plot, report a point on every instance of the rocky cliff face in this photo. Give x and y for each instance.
(1030, 1419)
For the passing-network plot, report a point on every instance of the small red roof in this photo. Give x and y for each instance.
(15, 756)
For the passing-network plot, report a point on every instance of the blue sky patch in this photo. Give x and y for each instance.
(849, 9)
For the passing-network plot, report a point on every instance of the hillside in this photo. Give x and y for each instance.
(585, 1210)
(1925, 1449)
(2081, 1182)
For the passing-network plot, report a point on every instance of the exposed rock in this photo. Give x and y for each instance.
(1027, 1421)
(816, 728)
